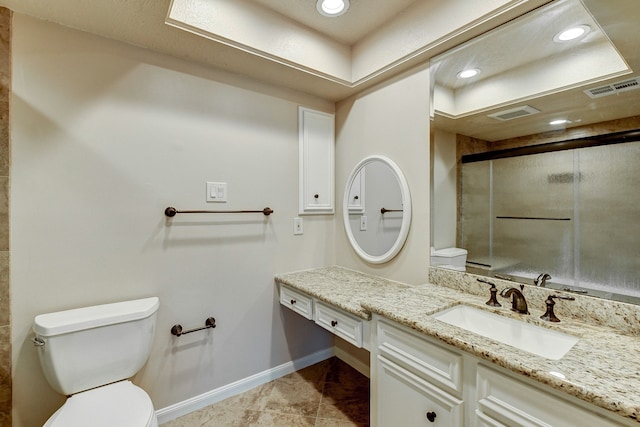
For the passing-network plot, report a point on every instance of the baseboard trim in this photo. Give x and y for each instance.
(201, 401)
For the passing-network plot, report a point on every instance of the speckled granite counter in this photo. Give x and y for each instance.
(341, 287)
(603, 368)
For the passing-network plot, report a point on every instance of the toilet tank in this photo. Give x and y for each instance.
(88, 347)
(452, 258)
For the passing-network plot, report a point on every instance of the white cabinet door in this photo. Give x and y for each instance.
(434, 363)
(356, 193)
(316, 163)
(404, 399)
(505, 400)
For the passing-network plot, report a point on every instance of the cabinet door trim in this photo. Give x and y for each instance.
(316, 165)
(300, 303)
(347, 327)
(444, 400)
(431, 361)
(508, 400)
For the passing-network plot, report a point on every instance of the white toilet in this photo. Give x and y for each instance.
(89, 353)
(450, 258)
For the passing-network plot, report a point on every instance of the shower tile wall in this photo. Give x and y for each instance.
(5, 314)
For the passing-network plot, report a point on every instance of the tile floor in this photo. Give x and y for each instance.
(327, 394)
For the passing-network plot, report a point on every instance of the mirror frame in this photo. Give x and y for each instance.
(406, 208)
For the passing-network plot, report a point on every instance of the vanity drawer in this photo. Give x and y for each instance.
(506, 401)
(340, 323)
(296, 301)
(425, 358)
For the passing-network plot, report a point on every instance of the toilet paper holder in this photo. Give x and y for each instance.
(178, 331)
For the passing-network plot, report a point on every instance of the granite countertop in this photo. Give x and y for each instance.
(603, 368)
(341, 287)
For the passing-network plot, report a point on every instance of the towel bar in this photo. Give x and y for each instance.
(171, 211)
(177, 329)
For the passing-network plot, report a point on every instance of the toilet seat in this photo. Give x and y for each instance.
(121, 404)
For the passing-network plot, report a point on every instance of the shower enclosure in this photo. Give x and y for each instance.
(573, 213)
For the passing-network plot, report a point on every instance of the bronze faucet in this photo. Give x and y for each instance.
(541, 280)
(549, 315)
(518, 302)
(493, 302)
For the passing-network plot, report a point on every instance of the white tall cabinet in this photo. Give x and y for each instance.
(316, 135)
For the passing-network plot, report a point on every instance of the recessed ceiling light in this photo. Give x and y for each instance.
(467, 74)
(572, 33)
(332, 7)
(558, 122)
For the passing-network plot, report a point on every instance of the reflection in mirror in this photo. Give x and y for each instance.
(568, 211)
(377, 210)
(543, 141)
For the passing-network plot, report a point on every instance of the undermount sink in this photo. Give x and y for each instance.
(534, 339)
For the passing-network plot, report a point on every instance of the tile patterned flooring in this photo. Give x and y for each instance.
(327, 394)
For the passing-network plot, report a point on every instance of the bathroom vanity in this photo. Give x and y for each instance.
(333, 296)
(428, 372)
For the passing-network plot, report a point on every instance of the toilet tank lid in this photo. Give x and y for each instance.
(449, 252)
(77, 319)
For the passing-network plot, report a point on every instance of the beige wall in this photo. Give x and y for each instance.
(105, 137)
(391, 119)
(5, 309)
(444, 189)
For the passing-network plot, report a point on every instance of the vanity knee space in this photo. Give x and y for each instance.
(350, 328)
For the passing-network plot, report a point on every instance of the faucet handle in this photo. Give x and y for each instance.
(549, 315)
(493, 301)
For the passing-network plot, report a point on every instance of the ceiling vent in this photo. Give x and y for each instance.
(614, 88)
(514, 113)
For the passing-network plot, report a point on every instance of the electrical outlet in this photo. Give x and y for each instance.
(297, 226)
(363, 223)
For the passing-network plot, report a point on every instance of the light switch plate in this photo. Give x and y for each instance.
(216, 192)
(297, 226)
(363, 223)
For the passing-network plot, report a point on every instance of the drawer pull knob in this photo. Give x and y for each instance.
(431, 416)
(315, 196)
(334, 323)
(293, 301)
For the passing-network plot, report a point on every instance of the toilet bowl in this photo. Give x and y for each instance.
(89, 353)
(121, 404)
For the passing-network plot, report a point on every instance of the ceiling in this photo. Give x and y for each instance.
(522, 66)
(144, 23)
(363, 17)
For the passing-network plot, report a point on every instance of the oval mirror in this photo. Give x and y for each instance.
(377, 209)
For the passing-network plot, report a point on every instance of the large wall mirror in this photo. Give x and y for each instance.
(536, 148)
(377, 209)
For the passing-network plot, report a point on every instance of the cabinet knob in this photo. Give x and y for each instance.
(334, 323)
(431, 416)
(356, 197)
(315, 196)
(293, 301)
